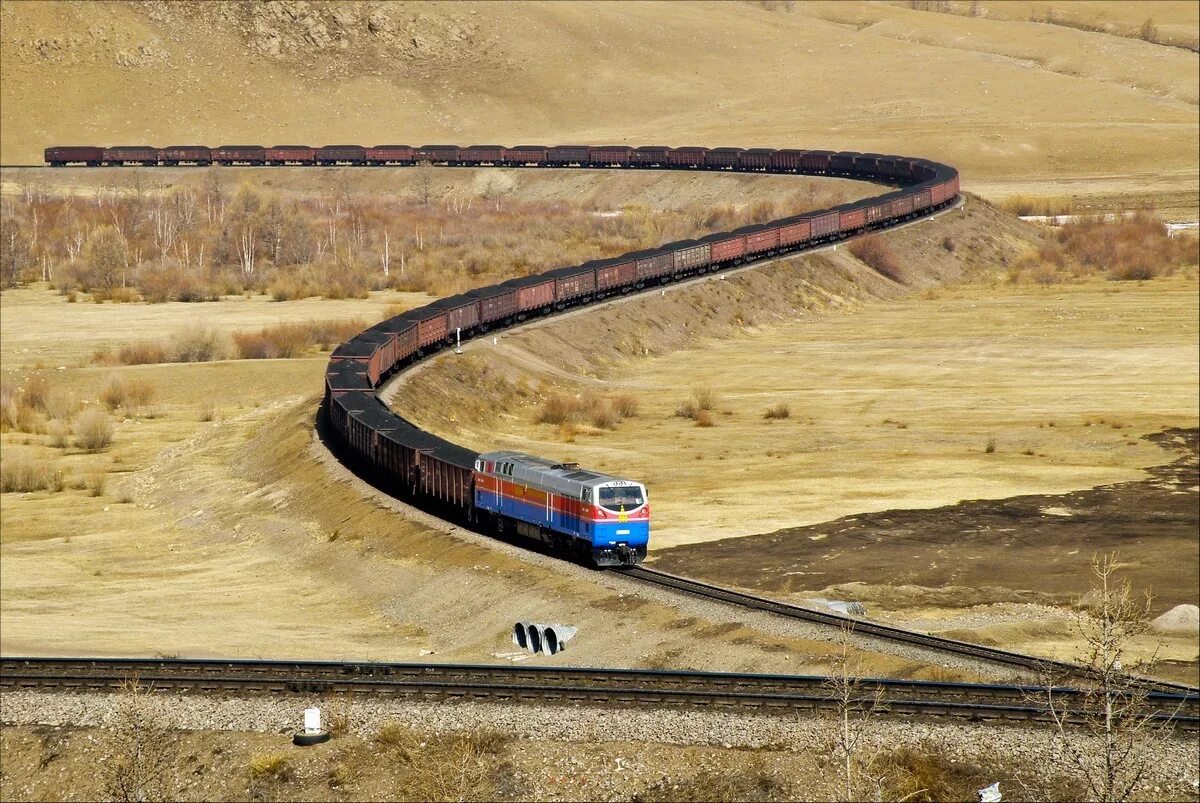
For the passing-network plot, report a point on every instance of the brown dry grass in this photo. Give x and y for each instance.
(875, 252)
(778, 412)
(20, 473)
(567, 411)
(1131, 248)
(131, 393)
(93, 431)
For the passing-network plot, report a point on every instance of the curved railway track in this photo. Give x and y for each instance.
(570, 686)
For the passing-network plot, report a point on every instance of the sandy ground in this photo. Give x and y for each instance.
(1000, 98)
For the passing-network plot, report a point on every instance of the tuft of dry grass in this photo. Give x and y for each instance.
(703, 399)
(20, 473)
(1132, 248)
(93, 431)
(286, 340)
(603, 416)
(558, 408)
(626, 405)
(60, 434)
(779, 411)
(990, 446)
(270, 766)
(95, 484)
(874, 252)
(128, 392)
(703, 418)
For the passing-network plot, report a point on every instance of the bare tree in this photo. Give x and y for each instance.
(424, 176)
(855, 707)
(106, 255)
(140, 767)
(1109, 735)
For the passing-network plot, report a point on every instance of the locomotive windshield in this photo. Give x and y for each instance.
(626, 497)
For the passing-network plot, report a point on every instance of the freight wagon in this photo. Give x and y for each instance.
(437, 154)
(482, 155)
(652, 263)
(607, 155)
(573, 282)
(341, 154)
(615, 274)
(650, 156)
(686, 157)
(496, 303)
(725, 247)
(562, 155)
(291, 154)
(68, 154)
(390, 154)
(723, 158)
(525, 155)
(139, 154)
(756, 158)
(194, 154)
(688, 255)
(240, 154)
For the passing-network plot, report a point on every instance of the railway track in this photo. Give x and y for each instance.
(570, 686)
(1044, 667)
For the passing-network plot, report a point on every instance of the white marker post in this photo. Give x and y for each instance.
(458, 340)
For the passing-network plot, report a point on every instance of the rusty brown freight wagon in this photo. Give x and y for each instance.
(614, 273)
(66, 154)
(292, 154)
(686, 157)
(123, 154)
(240, 154)
(341, 154)
(389, 154)
(196, 154)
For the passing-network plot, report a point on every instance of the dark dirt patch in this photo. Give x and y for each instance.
(1023, 549)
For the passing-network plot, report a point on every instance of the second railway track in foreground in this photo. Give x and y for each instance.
(571, 686)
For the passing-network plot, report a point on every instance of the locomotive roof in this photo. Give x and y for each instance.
(565, 478)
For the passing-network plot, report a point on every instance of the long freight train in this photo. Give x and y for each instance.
(578, 513)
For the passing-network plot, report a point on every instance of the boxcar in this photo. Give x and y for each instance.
(605, 155)
(688, 255)
(437, 154)
(794, 230)
(824, 223)
(65, 154)
(174, 154)
(759, 237)
(120, 154)
(723, 158)
(341, 154)
(240, 154)
(725, 246)
(294, 154)
(650, 156)
(482, 154)
(567, 155)
(652, 263)
(390, 154)
(817, 161)
(573, 282)
(789, 159)
(495, 303)
(614, 273)
(431, 326)
(686, 157)
(523, 155)
(851, 217)
(756, 158)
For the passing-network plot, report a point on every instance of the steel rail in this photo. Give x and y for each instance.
(865, 627)
(570, 685)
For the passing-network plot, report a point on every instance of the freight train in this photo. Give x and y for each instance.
(578, 513)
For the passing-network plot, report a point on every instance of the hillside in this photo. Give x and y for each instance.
(1012, 102)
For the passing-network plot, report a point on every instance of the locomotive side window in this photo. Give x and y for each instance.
(615, 499)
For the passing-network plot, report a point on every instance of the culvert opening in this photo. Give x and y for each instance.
(519, 637)
(551, 640)
(535, 639)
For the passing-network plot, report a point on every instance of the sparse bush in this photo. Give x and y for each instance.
(603, 416)
(704, 399)
(35, 392)
(93, 430)
(60, 434)
(948, 245)
(96, 483)
(779, 411)
(196, 344)
(286, 340)
(626, 405)
(20, 473)
(558, 408)
(128, 392)
(207, 411)
(703, 418)
(145, 352)
(990, 446)
(876, 254)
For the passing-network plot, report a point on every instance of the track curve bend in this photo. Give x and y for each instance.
(437, 475)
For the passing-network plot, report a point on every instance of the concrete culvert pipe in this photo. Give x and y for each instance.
(519, 635)
(535, 638)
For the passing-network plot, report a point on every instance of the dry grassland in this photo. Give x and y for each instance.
(893, 407)
(1003, 99)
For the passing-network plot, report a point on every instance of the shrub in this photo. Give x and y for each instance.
(207, 411)
(35, 393)
(558, 408)
(626, 405)
(778, 411)
(145, 352)
(703, 418)
(60, 434)
(131, 393)
(704, 399)
(22, 474)
(603, 416)
(196, 344)
(95, 484)
(876, 254)
(990, 447)
(93, 431)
